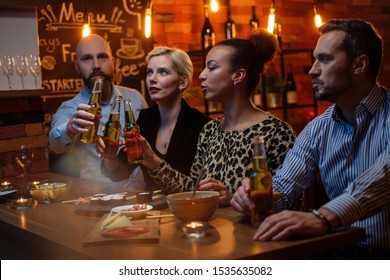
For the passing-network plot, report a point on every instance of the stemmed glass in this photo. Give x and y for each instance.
(8, 67)
(24, 159)
(34, 64)
(21, 67)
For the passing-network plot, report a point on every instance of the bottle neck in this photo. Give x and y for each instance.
(95, 97)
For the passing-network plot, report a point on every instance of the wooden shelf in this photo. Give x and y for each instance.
(23, 93)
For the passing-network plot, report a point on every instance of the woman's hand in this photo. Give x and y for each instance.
(241, 201)
(151, 160)
(100, 145)
(211, 184)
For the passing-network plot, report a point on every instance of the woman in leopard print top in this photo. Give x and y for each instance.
(224, 148)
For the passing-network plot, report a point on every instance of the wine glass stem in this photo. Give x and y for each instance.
(9, 82)
(36, 82)
(21, 77)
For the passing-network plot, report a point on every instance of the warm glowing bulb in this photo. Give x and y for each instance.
(317, 20)
(271, 22)
(214, 6)
(86, 30)
(148, 23)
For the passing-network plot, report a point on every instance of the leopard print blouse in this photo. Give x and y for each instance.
(227, 155)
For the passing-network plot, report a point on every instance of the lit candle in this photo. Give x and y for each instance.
(22, 203)
(195, 229)
(6, 185)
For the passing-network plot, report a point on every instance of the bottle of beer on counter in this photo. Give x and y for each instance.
(95, 109)
(291, 88)
(134, 148)
(230, 25)
(261, 183)
(254, 22)
(112, 130)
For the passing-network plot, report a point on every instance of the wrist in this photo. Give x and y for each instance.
(323, 219)
(68, 130)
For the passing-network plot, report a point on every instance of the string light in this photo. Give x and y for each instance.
(87, 26)
(317, 16)
(148, 19)
(214, 6)
(271, 18)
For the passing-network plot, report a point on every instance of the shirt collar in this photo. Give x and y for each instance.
(370, 102)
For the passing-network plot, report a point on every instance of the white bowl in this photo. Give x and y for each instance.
(135, 214)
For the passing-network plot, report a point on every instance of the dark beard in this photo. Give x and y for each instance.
(89, 82)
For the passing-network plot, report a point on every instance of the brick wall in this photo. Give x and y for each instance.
(178, 22)
(22, 124)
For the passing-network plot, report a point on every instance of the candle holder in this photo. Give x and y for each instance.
(196, 229)
(5, 186)
(22, 202)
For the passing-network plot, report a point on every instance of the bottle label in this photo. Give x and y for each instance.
(134, 149)
(291, 97)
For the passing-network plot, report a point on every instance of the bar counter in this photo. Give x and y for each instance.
(57, 231)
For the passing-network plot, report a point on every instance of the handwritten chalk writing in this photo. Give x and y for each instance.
(49, 44)
(63, 85)
(65, 51)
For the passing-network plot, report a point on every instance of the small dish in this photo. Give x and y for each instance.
(48, 191)
(144, 197)
(135, 211)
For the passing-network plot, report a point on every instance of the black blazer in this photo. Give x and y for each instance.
(182, 146)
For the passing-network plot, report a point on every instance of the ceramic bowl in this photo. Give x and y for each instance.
(200, 208)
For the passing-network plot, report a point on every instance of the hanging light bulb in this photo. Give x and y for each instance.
(271, 18)
(87, 26)
(317, 16)
(148, 19)
(214, 6)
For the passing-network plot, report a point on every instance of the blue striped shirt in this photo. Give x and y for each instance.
(353, 162)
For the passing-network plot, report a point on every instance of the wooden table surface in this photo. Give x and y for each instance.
(56, 231)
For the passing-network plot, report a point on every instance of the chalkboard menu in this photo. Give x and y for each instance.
(120, 22)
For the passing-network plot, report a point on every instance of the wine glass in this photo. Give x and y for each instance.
(34, 64)
(8, 68)
(24, 159)
(21, 67)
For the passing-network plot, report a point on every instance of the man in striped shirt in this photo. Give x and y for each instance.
(348, 145)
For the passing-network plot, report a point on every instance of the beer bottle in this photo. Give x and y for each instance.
(261, 183)
(95, 109)
(134, 149)
(112, 130)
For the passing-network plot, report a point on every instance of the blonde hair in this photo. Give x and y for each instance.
(180, 60)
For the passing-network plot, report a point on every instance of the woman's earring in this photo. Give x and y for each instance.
(235, 83)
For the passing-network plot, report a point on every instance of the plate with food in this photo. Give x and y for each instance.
(135, 211)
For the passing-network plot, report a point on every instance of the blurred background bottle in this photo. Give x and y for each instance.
(96, 110)
(112, 130)
(134, 148)
(208, 34)
(254, 22)
(291, 88)
(261, 183)
(230, 25)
